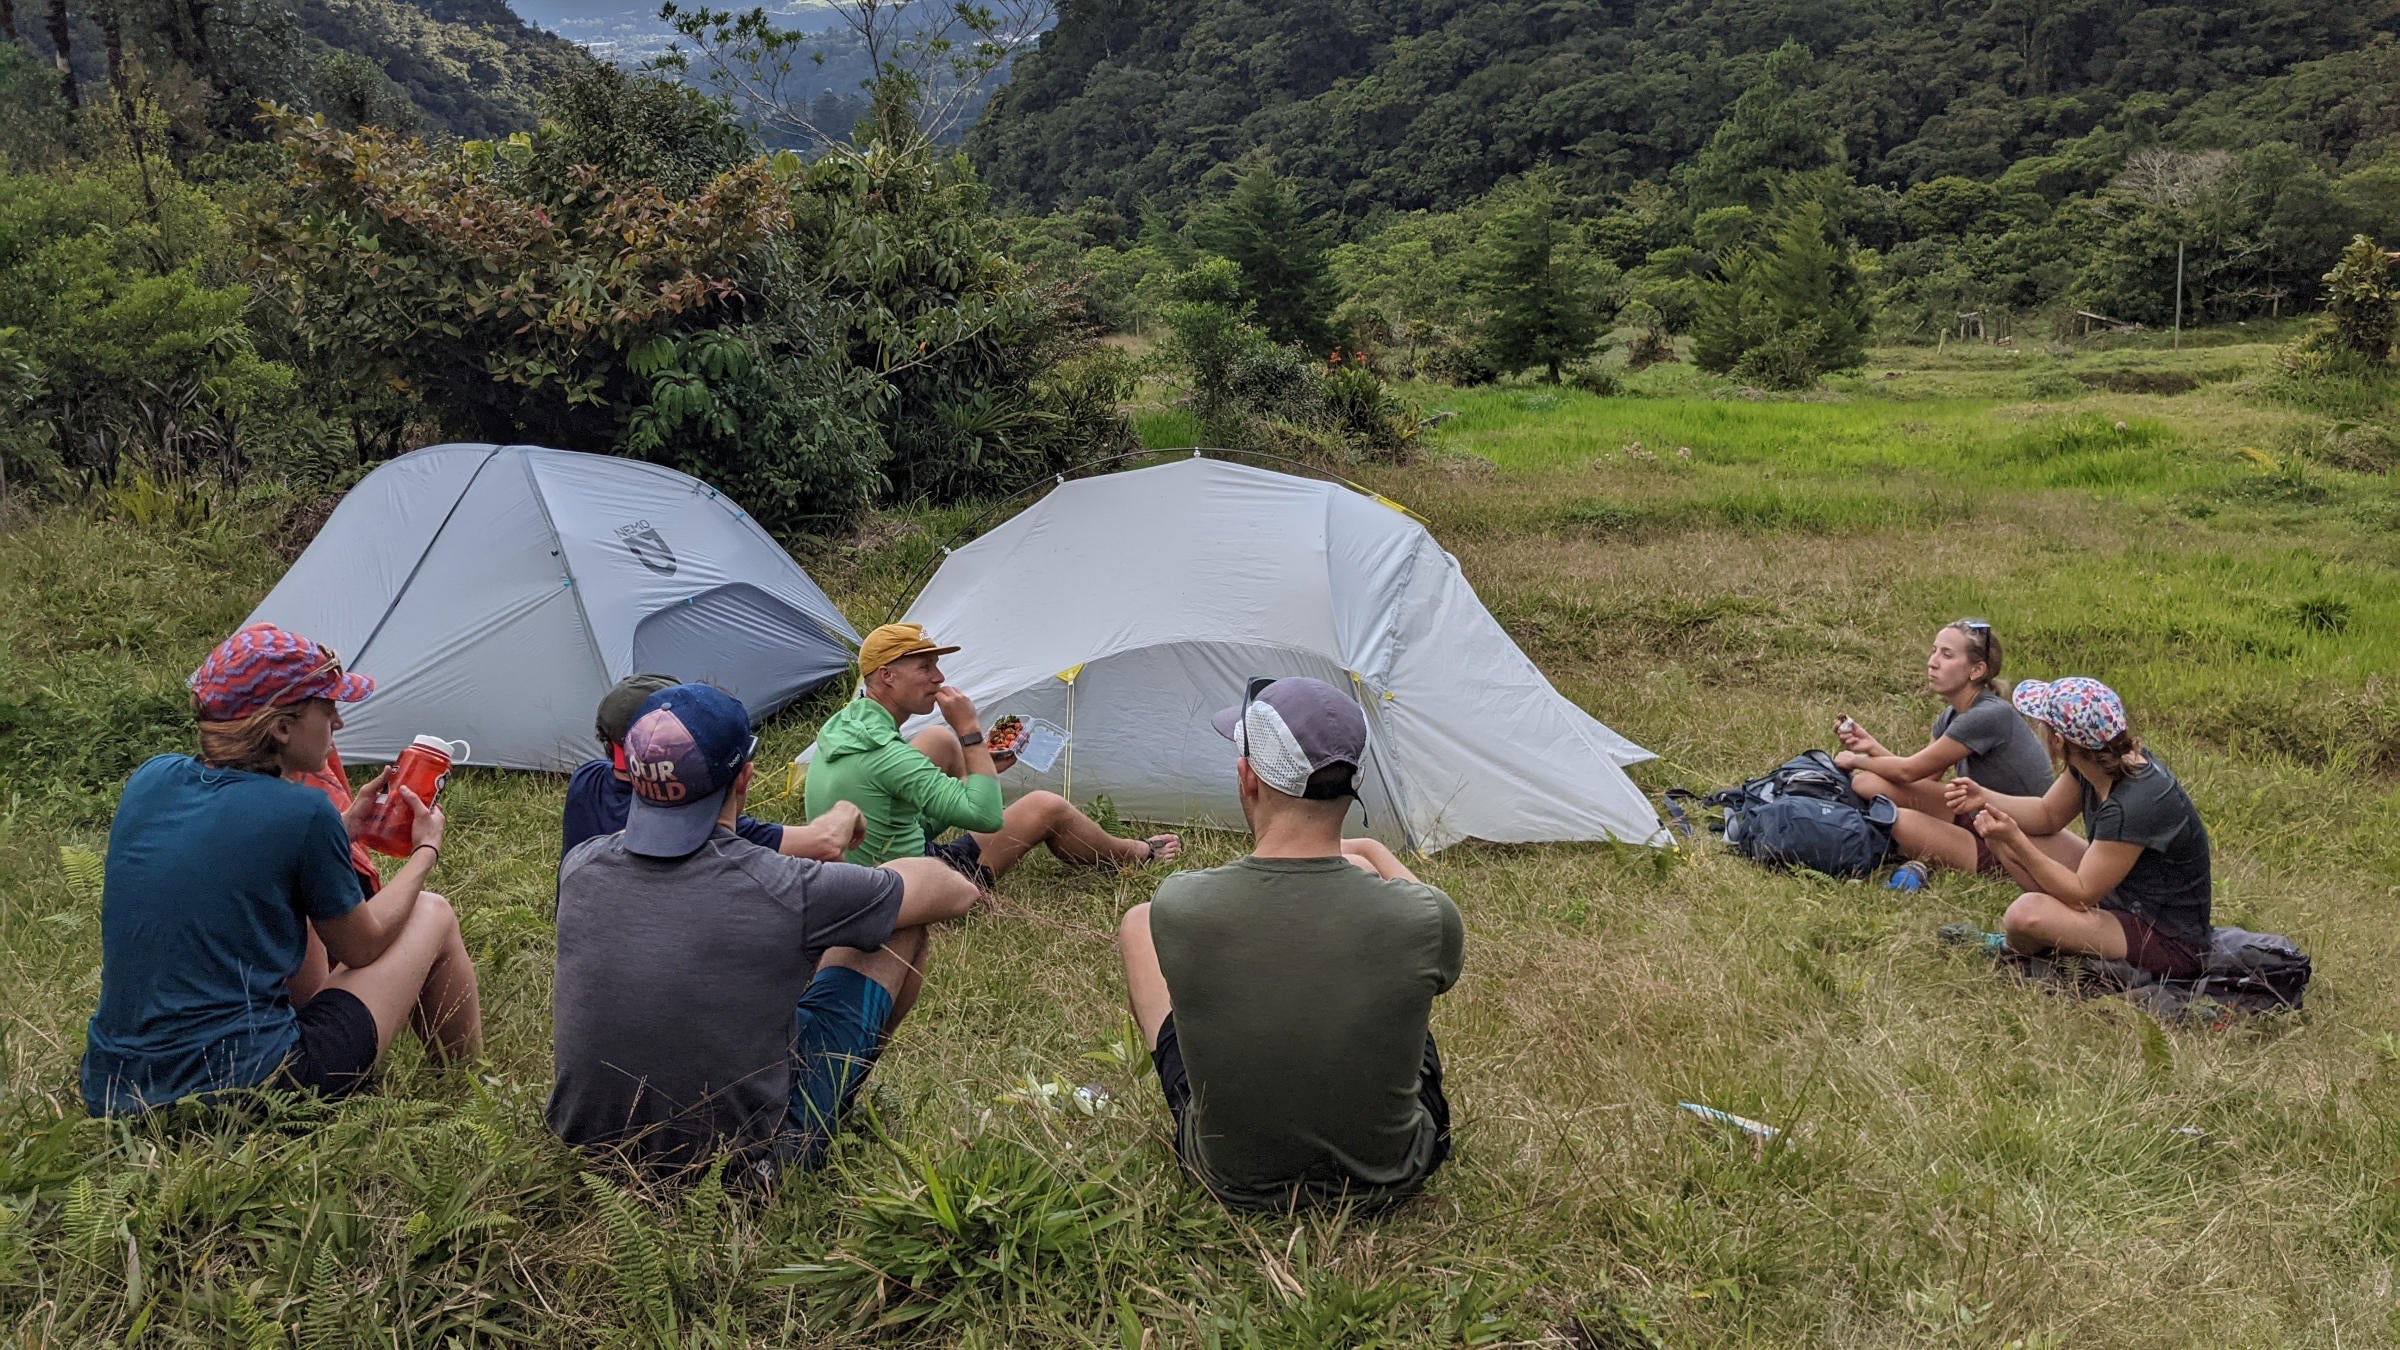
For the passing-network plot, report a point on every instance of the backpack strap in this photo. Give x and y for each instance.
(1676, 817)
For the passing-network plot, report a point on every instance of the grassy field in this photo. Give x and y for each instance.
(1965, 1162)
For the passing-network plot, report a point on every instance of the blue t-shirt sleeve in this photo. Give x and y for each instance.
(326, 882)
(765, 834)
(586, 814)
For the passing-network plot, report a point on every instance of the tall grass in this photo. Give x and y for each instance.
(1964, 1162)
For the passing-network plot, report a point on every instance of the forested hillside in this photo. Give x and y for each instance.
(1431, 103)
(469, 67)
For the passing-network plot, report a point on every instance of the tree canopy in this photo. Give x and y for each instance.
(1432, 103)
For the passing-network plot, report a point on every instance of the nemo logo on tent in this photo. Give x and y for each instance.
(648, 548)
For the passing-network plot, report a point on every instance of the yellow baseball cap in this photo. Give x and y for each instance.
(893, 641)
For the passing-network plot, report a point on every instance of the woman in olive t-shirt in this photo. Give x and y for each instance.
(1978, 734)
(2141, 892)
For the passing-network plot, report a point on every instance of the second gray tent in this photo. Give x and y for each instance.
(496, 592)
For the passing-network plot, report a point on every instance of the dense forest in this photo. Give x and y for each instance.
(467, 67)
(233, 256)
(1431, 103)
(1471, 190)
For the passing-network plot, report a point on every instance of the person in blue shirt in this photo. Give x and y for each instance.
(600, 795)
(220, 865)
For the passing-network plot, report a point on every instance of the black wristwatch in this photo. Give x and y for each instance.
(972, 738)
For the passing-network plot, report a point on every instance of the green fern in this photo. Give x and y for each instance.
(90, 1226)
(86, 872)
(258, 1331)
(704, 1210)
(12, 1248)
(638, 1261)
(325, 1326)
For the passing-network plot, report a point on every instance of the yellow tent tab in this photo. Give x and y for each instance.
(1361, 682)
(1068, 675)
(1399, 508)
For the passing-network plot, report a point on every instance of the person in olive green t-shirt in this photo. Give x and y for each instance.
(912, 790)
(1286, 996)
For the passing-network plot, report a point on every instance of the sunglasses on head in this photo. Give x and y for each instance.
(1250, 692)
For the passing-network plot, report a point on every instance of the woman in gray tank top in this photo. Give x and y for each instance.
(1979, 735)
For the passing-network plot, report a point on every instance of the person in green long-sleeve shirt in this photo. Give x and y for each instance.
(911, 791)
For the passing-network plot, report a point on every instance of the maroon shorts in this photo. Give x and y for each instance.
(2148, 949)
(1984, 861)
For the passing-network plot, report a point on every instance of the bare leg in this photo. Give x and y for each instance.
(1040, 818)
(1924, 795)
(1047, 818)
(1935, 840)
(2036, 923)
(930, 892)
(940, 744)
(424, 978)
(1145, 986)
(2066, 848)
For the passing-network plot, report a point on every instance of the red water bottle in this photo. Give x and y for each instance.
(421, 769)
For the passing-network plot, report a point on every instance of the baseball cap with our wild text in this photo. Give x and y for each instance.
(683, 752)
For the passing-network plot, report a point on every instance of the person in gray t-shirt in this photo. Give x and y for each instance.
(1979, 735)
(2141, 892)
(712, 994)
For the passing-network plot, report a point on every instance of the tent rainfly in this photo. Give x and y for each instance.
(495, 592)
(1130, 606)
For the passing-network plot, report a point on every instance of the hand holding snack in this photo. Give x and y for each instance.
(956, 708)
(1856, 738)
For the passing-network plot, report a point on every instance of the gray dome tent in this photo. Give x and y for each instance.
(495, 592)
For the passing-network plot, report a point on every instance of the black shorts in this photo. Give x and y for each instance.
(1167, 1058)
(2153, 951)
(965, 856)
(336, 1052)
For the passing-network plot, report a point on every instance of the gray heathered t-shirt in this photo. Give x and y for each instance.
(1302, 989)
(2003, 754)
(2170, 883)
(673, 1010)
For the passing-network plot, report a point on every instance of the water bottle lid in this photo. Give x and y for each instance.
(435, 744)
